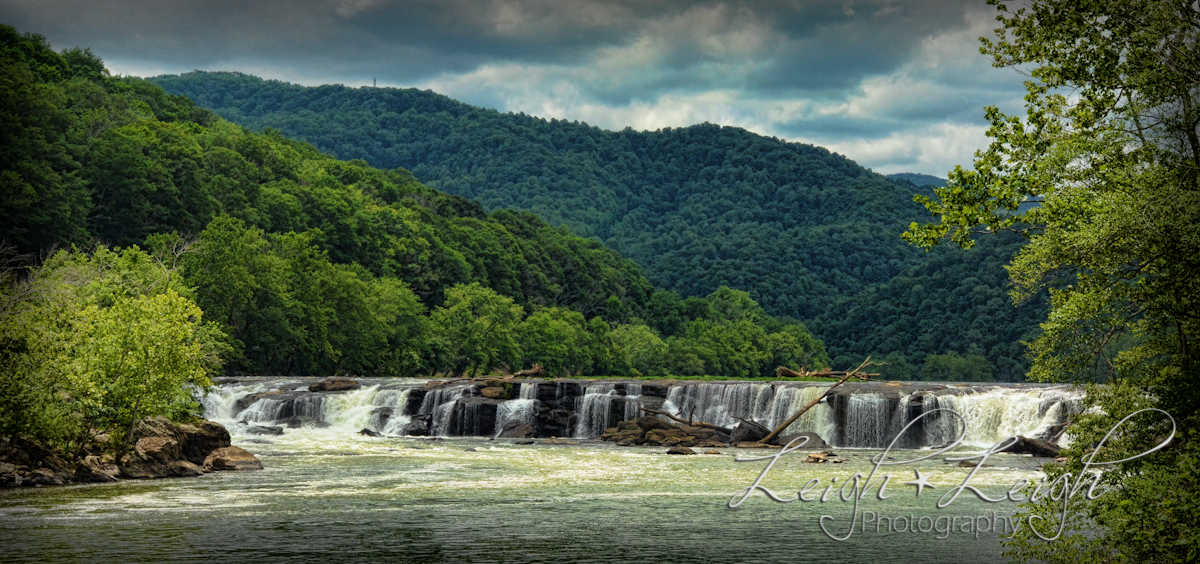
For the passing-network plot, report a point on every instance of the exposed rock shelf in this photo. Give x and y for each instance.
(161, 449)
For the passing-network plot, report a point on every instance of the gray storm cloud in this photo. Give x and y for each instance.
(894, 85)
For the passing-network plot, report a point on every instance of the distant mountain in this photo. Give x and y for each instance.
(918, 178)
(803, 230)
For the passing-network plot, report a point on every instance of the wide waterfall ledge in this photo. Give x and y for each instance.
(855, 415)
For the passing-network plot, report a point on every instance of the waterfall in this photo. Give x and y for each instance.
(593, 409)
(867, 421)
(439, 403)
(865, 415)
(523, 410)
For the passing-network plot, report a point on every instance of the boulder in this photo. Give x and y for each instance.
(156, 426)
(162, 450)
(263, 430)
(334, 385)
(184, 469)
(746, 432)
(650, 423)
(231, 458)
(752, 444)
(493, 383)
(680, 450)
(814, 440)
(135, 466)
(494, 392)
(517, 430)
(48, 477)
(1035, 447)
(369, 433)
(199, 440)
(712, 452)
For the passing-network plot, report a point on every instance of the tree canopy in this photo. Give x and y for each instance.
(1101, 176)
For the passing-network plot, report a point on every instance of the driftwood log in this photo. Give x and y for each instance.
(535, 371)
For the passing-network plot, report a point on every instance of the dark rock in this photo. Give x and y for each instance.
(417, 427)
(650, 423)
(680, 450)
(263, 430)
(517, 430)
(334, 385)
(469, 450)
(814, 440)
(747, 432)
(369, 433)
(1036, 447)
(971, 464)
(297, 421)
(524, 442)
(231, 458)
(712, 452)
(137, 467)
(48, 477)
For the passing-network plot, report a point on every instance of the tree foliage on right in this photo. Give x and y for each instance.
(1109, 153)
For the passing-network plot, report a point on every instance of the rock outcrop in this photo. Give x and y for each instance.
(160, 449)
(651, 431)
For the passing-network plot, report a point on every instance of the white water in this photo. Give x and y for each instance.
(870, 419)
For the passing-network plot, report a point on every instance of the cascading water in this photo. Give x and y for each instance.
(593, 409)
(519, 411)
(866, 415)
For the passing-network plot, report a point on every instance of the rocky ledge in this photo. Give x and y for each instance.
(161, 449)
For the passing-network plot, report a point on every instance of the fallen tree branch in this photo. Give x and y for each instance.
(681, 420)
(845, 375)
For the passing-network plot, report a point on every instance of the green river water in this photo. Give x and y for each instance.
(331, 496)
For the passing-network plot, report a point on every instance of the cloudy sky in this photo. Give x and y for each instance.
(895, 85)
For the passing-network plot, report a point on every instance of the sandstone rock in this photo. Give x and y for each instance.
(162, 450)
(97, 469)
(156, 426)
(231, 458)
(184, 469)
(971, 464)
(493, 383)
(648, 423)
(630, 425)
(334, 385)
(47, 477)
(135, 466)
(494, 392)
(199, 440)
(712, 452)
(680, 450)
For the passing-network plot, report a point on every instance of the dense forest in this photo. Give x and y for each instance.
(313, 265)
(808, 233)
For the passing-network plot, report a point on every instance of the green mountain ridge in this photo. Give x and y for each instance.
(808, 233)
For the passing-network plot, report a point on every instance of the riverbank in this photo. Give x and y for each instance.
(159, 449)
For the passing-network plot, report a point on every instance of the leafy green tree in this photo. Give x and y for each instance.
(475, 329)
(1101, 176)
(555, 338)
(94, 342)
(643, 349)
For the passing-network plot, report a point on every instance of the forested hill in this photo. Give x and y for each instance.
(810, 234)
(300, 263)
(698, 207)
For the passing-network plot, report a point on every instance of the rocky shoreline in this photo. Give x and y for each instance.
(161, 449)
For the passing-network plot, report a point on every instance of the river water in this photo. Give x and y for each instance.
(328, 495)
